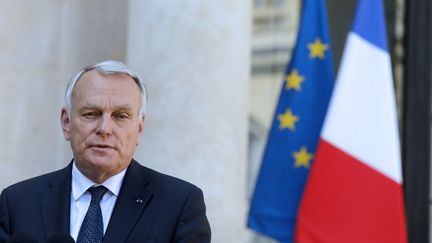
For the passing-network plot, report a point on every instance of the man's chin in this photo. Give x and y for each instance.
(102, 162)
(98, 161)
(100, 151)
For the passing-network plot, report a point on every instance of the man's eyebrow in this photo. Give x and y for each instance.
(88, 107)
(124, 107)
(96, 107)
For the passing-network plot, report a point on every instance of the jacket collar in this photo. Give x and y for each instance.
(135, 195)
(55, 202)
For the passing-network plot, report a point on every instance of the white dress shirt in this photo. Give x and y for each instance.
(80, 198)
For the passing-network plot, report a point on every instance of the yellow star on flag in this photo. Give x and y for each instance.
(302, 157)
(294, 80)
(287, 120)
(317, 49)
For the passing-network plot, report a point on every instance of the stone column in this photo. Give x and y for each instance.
(31, 85)
(41, 44)
(195, 56)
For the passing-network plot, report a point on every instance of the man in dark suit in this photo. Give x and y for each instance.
(104, 195)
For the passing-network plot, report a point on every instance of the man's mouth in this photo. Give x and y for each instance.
(102, 146)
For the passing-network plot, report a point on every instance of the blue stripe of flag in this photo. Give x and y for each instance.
(369, 22)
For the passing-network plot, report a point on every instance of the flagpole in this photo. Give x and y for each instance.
(416, 130)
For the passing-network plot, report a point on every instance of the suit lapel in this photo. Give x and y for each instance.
(55, 202)
(133, 198)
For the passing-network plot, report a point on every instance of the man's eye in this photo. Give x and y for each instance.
(122, 116)
(90, 115)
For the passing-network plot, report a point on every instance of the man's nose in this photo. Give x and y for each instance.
(105, 125)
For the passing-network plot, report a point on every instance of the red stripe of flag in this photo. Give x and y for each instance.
(351, 202)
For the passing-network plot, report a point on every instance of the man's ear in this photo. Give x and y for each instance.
(65, 123)
(141, 125)
(140, 129)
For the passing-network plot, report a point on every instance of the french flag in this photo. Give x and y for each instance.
(354, 190)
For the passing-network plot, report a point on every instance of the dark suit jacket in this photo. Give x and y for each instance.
(151, 207)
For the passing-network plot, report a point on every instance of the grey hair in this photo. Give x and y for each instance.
(107, 67)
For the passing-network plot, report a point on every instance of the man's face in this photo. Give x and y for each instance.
(105, 124)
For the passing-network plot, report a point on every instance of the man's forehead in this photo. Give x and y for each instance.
(97, 90)
(96, 82)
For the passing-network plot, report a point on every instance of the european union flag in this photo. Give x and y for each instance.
(295, 129)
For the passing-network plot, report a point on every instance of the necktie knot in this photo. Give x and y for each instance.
(97, 193)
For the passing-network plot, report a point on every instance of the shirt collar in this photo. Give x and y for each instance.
(80, 183)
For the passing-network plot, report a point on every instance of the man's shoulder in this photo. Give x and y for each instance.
(37, 182)
(162, 181)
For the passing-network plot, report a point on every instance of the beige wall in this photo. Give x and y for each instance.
(42, 44)
(195, 56)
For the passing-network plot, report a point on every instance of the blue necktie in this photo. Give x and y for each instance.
(91, 230)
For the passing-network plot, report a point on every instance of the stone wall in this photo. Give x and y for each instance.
(195, 56)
